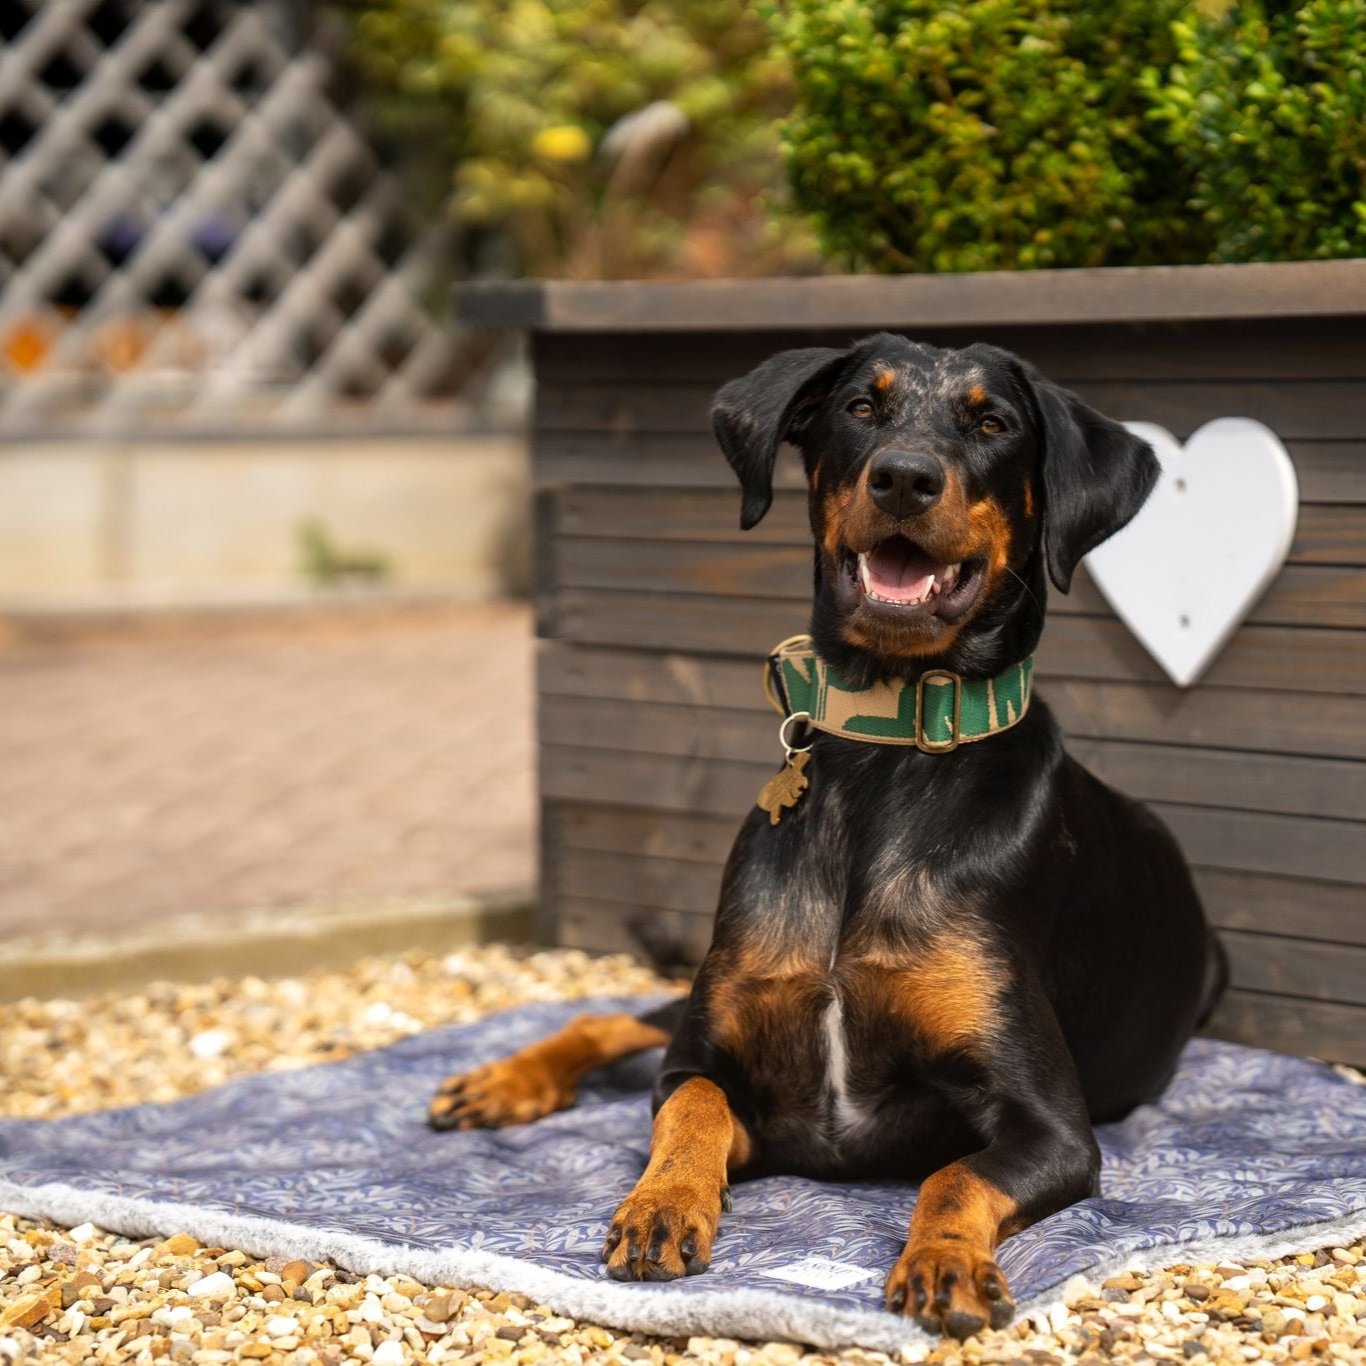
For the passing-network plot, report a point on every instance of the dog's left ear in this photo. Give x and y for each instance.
(1096, 476)
(752, 415)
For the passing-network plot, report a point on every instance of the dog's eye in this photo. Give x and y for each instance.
(991, 425)
(860, 407)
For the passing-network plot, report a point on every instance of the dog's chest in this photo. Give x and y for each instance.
(831, 1042)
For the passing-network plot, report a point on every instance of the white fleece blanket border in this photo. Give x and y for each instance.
(756, 1315)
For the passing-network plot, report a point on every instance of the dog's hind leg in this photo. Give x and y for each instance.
(544, 1076)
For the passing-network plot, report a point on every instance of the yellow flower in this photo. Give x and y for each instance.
(565, 142)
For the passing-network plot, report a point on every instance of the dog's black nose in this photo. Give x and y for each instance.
(905, 483)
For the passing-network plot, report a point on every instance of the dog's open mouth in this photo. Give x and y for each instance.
(898, 574)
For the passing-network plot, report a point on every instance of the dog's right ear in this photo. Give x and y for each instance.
(751, 416)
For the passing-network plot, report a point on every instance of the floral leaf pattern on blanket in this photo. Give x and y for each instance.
(1245, 1149)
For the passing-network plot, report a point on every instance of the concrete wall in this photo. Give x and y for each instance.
(129, 522)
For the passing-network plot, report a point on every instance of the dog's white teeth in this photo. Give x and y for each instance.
(863, 574)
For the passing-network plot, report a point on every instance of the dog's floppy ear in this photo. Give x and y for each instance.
(752, 415)
(1096, 476)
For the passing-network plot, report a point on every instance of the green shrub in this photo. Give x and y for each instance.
(1267, 111)
(992, 135)
(515, 98)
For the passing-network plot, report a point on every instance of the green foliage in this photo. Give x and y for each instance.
(1266, 110)
(326, 564)
(919, 134)
(992, 135)
(516, 98)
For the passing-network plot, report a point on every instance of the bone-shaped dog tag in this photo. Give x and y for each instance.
(784, 790)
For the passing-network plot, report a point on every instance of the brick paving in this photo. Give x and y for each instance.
(332, 760)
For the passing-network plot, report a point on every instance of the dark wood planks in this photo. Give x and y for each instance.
(1272, 783)
(1266, 349)
(1291, 1024)
(1260, 721)
(656, 609)
(1122, 294)
(1292, 659)
(1329, 471)
(1302, 595)
(1238, 841)
(1301, 409)
(1326, 534)
(1258, 908)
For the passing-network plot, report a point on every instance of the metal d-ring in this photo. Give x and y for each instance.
(805, 718)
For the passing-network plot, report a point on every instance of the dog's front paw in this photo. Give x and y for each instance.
(663, 1230)
(949, 1289)
(513, 1090)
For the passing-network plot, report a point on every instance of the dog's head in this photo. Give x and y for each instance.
(940, 482)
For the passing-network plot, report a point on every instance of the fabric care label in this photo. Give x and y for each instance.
(822, 1273)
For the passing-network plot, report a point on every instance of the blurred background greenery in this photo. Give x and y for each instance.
(604, 138)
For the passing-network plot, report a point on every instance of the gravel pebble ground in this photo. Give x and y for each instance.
(82, 1295)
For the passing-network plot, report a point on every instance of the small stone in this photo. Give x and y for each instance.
(1195, 1290)
(179, 1245)
(1192, 1348)
(389, 1353)
(211, 1043)
(26, 1312)
(82, 1286)
(512, 1333)
(255, 1351)
(273, 1293)
(297, 1270)
(218, 1285)
(437, 1308)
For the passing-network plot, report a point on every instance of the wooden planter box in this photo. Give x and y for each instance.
(655, 609)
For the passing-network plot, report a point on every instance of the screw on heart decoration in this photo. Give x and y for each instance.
(1188, 569)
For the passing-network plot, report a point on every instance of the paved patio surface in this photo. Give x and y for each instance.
(334, 760)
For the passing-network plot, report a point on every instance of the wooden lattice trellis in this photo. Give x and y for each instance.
(193, 234)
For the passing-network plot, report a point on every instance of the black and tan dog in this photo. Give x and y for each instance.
(941, 961)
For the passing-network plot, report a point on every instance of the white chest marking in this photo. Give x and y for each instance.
(848, 1113)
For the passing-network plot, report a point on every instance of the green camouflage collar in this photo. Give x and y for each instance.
(936, 713)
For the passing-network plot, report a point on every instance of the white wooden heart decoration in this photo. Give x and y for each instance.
(1214, 533)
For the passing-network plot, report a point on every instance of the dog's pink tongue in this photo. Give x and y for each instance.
(900, 571)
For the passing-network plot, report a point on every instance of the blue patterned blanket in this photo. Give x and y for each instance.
(1249, 1153)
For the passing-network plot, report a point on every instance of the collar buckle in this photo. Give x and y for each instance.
(922, 742)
